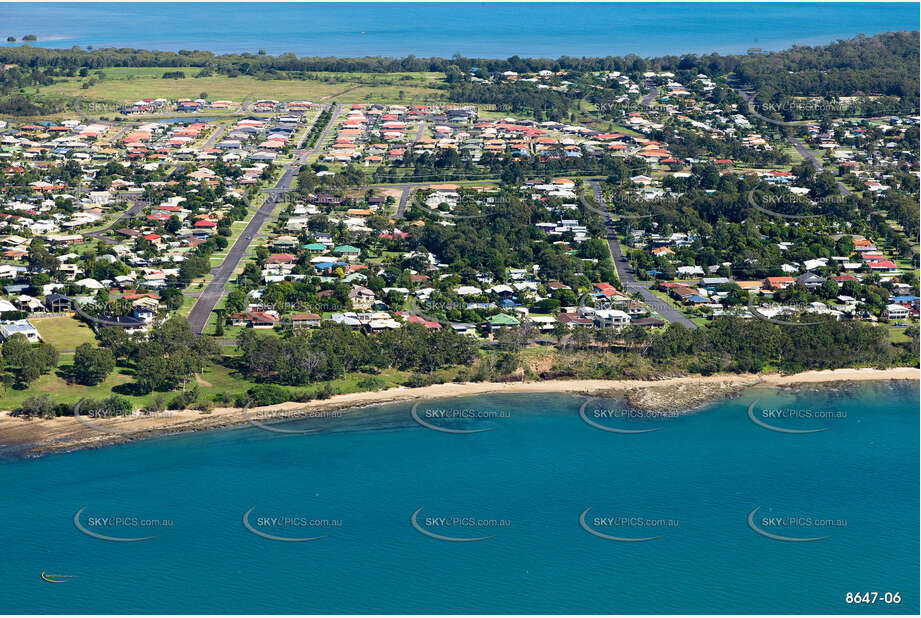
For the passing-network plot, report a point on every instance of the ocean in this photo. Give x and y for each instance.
(482, 30)
(698, 510)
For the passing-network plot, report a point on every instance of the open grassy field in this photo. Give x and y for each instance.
(63, 333)
(213, 380)
(127, 84)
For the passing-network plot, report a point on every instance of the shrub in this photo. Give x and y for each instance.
(185, 399)
(326, 391)
(372, 383)
(36, 405)
(268, 394)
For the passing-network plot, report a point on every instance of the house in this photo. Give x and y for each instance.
(573, 320)
(361, 297)
(882, 266)
(130, 324)
(20, 327)
(754, 287)
(778, 283)
(649, 323)
(810, 281)
(57, 303)
(305, 320)
(500, 321)
(261, 319)
(896, 312)
(462, 328)
(711, 283)
(610, 318)
(347, 251)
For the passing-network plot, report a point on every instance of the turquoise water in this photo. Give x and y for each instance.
(537, 469)
(483, 30)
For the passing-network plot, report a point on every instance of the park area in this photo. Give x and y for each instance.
(121, 85)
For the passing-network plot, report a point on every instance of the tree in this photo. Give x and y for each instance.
(16, 351)
(37, 405)
(172, 298)
(118, 341)
(91, 364)
(219, 327)
(172, 224)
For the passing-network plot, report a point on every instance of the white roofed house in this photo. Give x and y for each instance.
(896, 312)
(610, 318)
(20, 327)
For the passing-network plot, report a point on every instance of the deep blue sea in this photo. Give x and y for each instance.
(484, 30)
(524, 484)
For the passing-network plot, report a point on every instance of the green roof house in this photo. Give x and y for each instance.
(501, 320)
(347, 250)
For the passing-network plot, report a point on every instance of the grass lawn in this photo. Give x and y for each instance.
(897, 335)
(126, 84)
(214, 380)
(64, 333)
(59, 390)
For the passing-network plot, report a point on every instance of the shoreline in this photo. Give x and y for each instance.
(37, 437)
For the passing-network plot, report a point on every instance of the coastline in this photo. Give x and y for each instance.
(37, 437)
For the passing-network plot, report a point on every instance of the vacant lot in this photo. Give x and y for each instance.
(124, 84)
(63, 333)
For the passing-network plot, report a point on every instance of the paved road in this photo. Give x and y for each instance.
(212, 139)
(653, 92)
(807, 155)
(630, 282)
(118, 135)
(407, 188)
(404, 198)
(302, 158)
(797, 143)
(201, 311)
(203, 307)
(137, 206)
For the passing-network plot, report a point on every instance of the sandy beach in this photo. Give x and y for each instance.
(36, 437)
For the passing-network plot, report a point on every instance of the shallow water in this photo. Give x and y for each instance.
(483, 30)
(692, 483)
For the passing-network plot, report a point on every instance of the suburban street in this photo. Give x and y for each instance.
(404, 198)
(807, 155)
(653, 91)
(137, 206)
(207, 300)
(629, 282)
(796, 142)
(215, 135)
